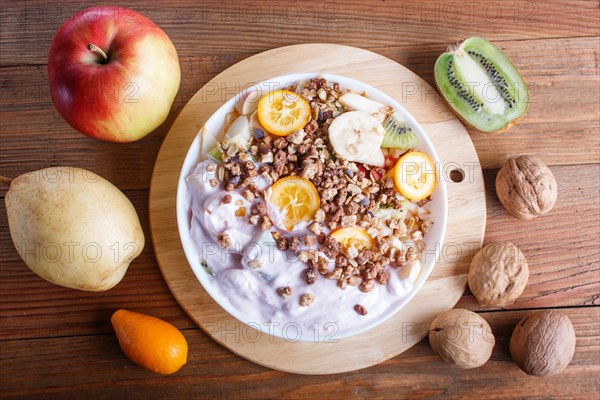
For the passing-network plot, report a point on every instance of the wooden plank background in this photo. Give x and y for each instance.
(56, 342)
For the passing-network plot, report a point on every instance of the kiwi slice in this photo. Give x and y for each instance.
(398, 135)
(481, 85)
(215, 154)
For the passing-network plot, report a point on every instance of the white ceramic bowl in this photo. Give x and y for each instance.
(213, 128)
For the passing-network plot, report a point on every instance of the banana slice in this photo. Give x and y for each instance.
(357, 102)
(377, 159)
(356, 136)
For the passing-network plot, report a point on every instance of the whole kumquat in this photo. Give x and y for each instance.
(150, 342)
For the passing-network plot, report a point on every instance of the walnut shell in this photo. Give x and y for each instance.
(498, 274)
(461, 338)
(543, 343)
(526, 187)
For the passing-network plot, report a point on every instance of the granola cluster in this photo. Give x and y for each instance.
(351, 194)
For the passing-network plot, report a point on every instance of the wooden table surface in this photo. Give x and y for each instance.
(58, 343)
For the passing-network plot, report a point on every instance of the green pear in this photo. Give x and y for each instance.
(73, 227)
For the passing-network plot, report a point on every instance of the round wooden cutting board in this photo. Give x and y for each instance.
(464, 234)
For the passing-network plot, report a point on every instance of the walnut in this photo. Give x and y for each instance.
(309, 169)
(341, 261)
(258, 209)
(322, 265)
(311, 127)
(311, 276)
(226, 199)
(248, 195)
(543, 343)
(224, 240)
(352, 252)
(303, 256)
(279, 161)
(319, 216)
(279, 143)
(310, 240)
(306, 299)
(315, 228)
(366, 285)
(354, 280)
(461, 338)
(284, 291)
(330, 247)
(254, 264)
(264, 149)
(254, 189)
(282, 243)
(335, 274)
(294, 242)
(360, 309)
(363, 256)
(265, 223)
(526, 187)
(382, 277)
(498, 274)
(296, 137)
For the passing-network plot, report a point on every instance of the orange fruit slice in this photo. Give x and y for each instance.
(353, 236)
(282, 112)
(297, 198)
(415, 175)
(150, 342)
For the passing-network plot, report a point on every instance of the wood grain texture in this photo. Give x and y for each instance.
(557, 50)
(31, 307)
(94, 367)
(562, 249)
(557, 70)
(353, 22)
(446, 283)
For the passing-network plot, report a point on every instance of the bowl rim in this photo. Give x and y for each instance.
(192, 158)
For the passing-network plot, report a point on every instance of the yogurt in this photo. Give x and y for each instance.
(246, 276)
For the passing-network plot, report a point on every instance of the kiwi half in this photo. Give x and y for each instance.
(481, 85)
(398, 135)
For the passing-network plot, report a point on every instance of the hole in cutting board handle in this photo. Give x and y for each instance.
(457, 175)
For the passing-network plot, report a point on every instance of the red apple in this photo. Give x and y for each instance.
(113, 73)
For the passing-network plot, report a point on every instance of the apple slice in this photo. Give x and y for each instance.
(239, 132)
(250, 103)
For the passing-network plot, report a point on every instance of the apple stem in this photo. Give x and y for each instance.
(5, 180)
(96, 49)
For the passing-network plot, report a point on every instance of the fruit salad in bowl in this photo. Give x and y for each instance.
(310, 207)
